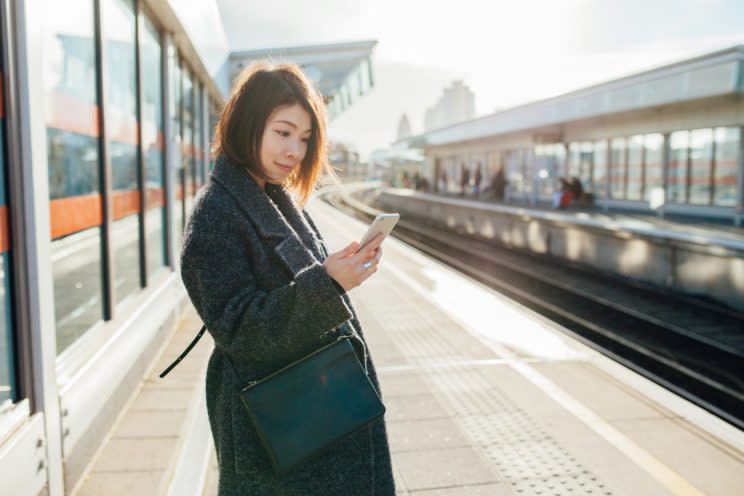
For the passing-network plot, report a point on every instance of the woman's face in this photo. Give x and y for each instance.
(284, 141)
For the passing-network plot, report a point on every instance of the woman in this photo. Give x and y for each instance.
(260, 277)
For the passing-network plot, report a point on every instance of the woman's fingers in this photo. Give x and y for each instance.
(366, 253)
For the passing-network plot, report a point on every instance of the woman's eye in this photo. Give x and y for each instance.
(283, 133)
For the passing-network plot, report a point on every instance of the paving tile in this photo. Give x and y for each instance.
(162, 400)
(443, 468)
(401, 383)
(471, 490)
(135, 455)
(413, 407)
(121, 484)
(411, 435)
(144, 424)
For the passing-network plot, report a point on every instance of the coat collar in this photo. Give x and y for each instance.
(273, 212)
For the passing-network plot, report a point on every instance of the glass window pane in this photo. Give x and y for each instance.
(152, 145)
(528, 163)
(701, 155)
(679, 143)
(654, 167)
(727, 164)
(74, 193)
(198, 146)
(545, 163)
(600, 169)
(574, 160)
(118, 25)
(635, 168)
(8, 389)
(187, 143)
(514, 171)
(617, 170)
(177, 123)
(586, 158)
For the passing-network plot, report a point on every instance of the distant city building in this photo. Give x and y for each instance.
(456, 104)
(404, 128)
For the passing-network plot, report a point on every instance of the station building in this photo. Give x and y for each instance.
(107, 109)
(666, 141)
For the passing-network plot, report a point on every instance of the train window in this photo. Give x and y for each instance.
(8, 389)
(198, 138)
(701, 157)
(726, 166)
(177, 122)
(679, 144)
(153, 145)
(119, 27)
(187, 145)
(73, 161)
(653, 166)
(634, 186)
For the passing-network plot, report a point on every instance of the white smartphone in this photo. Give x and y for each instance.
(382, 224)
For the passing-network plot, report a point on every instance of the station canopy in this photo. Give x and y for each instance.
(342, 72)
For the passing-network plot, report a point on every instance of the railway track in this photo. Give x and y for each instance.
(675, 341)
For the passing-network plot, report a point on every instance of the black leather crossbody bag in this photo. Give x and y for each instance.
(309, 405)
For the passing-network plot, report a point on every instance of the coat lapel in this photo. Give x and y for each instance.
(298, 247)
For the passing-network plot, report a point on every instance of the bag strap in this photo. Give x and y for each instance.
(231, 367)
(185, 352)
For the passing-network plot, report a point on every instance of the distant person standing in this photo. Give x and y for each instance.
(477, 181)
(498, 183)
(464, 179)
(443, 182)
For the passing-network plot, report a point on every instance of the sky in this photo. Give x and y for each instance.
(508, 53)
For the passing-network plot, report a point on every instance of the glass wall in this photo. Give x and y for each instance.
(74, 191)
(152, 145)
(549, 160)
(726, 166)
(198, 138)
(702, 167)
(653, 166)
(119, 31)
(176, 124)
(187, 143)
(617, 168)
(8, 389)
(701, 159)
(634, 177)
(677, 167)
(600, 170)
(515, 176)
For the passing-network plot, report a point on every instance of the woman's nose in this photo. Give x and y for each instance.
(293, 151)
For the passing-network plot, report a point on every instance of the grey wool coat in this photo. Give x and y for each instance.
(252, 266)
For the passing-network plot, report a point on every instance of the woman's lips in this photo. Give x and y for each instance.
(285, 168)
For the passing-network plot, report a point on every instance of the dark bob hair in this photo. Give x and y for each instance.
(259, 91)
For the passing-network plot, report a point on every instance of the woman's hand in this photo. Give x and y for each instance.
(346, 266)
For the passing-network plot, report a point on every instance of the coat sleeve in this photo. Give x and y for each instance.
(247, 322)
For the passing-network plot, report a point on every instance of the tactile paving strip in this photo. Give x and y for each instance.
(523, 452)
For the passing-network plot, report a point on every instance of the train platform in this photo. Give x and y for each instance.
(663, 254)
(483, 397)
(674, 227)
